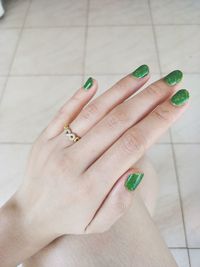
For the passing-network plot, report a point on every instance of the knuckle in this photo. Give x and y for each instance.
(76, 97)
(90, 111)
(112, 121)
(133, 142)
(63, 108)
(61, 113)
(120, 207)
(163, 115)
(117, 117)
(58, 116)
(154, 91)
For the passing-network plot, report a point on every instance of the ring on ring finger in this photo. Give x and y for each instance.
(70, 134)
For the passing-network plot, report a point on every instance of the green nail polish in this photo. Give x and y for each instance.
(133, 180)
(173, 77)
(88, 84)
(180, 98)
(141, 72)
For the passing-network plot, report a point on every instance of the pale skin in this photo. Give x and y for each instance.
(115, 247)
(66, 183)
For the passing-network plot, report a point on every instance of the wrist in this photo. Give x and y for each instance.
(11, 234)
(20, 237)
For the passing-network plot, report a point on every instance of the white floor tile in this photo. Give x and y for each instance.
(120, 49)
(8, 42)
(12, 162)
(181, 257)
(50, 51)
(195, 257)
(30, 102)
(187, 157)
(187, 128)
(179, 48)
(15, 13)
(117, 12)
(168, 213)
(175, 11)
(53, 13)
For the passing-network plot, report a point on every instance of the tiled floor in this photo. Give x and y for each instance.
(48, 48)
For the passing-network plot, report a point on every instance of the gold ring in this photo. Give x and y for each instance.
(72, 136)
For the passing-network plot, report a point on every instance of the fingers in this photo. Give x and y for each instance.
(117, 202)
(100, 106)
(125, 115)
(134, 142)
(71, 108)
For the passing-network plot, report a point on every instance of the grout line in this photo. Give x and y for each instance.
(155, 39)
(180, 143)
(79, 74)
(96, 26)
(67, 74)
(4, 87)
(186, 143)
(177, 24)
(86, 39)
(44, 75)
(14, 52)
(16, 143)
(179, 194)
(170, 133)
(184, 248)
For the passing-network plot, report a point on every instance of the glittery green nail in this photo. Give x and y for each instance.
(133, 180)
(141, 72)
(180, 98)
(173, 77)
(88, 84)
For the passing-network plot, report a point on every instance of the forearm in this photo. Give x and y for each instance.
(19, 238)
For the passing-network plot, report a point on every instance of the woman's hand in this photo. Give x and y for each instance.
(78, 188)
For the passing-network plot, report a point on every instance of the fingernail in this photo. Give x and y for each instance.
(180, 98)
(88, 84)
(141, 72)
(173, 77)
(133, 180)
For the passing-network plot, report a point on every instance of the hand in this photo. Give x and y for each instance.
(73, 179)
(71, 188)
